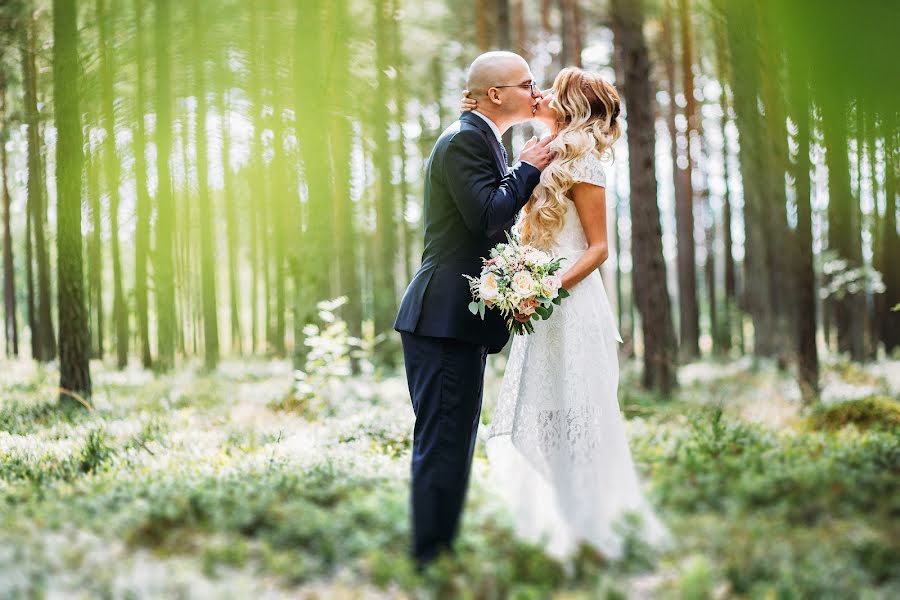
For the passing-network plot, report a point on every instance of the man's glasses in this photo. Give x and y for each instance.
(533, 85)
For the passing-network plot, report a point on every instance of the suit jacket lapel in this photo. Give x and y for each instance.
(490, 137)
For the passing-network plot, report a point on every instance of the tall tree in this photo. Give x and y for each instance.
(11, 327)
(341, 148)
(257, 188)
(143, 208)
(649, 267)
(74, 346)
(890, 240)
(843, 224)
(689, 323)
(745, 83)
(44, 343)
(105, 19)
(386, 225)
(164, 267)
(207, 241)
(727, 241)
(95, 255)
(311, 272)
(807, 353)
(231, 226)
(278, 198)
(572, 33)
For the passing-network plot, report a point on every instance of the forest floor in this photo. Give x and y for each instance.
(224, 485)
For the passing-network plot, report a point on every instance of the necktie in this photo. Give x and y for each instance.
(505, 156)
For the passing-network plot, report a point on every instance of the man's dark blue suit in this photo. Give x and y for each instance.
(471, 200)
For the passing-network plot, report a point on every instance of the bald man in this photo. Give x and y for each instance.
(471, 200)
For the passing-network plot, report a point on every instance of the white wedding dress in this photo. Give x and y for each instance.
(556, 443)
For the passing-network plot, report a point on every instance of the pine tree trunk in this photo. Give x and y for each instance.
(29, 282)
(745, 85)
(10, 323)
(843, 226)
(164, 267)
(727, 241)
(74, 345)
(113, 172)
(807, 354)
(649, 270)
(207, 237)
(45, 340)
(231, 227)
(142, 203)
(689, 322)
(257, 188)
(890, 240)
(386, 226)
(571, 34)
(341, 148)
(311, 284)
(95, 256)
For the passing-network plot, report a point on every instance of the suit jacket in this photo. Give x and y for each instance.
(471, 200)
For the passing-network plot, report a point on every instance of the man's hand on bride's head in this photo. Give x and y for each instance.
(466, 104)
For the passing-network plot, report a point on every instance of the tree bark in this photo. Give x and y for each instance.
(95, 256)
(689, 322)
(890, 240)
(572, 43)
(385, 240)
(113, 173)
(164, 268)
(10, 323)
(807, 354)
(143, 207)
(74, 346)
(42, 334)
(207, 236)
(727, 241)
(649, 270)
(232, 232)
(341, 148)
(843, 226)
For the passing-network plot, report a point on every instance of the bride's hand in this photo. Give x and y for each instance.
(466, 104)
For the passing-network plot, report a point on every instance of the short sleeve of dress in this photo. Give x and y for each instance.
(589, 169)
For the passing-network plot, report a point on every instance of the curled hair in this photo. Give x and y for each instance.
(587, 109)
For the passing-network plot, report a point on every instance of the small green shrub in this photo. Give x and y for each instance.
(872, 412)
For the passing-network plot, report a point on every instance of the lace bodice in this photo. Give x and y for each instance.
(570, 241)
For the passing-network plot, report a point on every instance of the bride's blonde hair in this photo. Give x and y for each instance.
(587, 108)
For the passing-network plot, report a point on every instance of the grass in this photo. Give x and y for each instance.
(220, 485)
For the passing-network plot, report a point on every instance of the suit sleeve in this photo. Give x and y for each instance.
(486, 207)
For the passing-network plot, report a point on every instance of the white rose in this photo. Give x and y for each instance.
(537, 257)
(523, 284)
(488, 288)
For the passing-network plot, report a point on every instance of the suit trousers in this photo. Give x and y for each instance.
(446, 382)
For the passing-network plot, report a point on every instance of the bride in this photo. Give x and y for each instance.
(557, 443)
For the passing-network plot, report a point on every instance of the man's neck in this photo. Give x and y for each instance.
(498, 120)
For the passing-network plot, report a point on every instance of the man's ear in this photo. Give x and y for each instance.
(494, 96)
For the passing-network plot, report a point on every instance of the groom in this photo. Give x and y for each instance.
(471, 199)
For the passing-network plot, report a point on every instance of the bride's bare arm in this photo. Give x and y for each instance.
(590, 201)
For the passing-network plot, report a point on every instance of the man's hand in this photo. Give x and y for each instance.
(537, 154)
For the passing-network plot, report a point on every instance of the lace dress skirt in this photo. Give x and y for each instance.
(556, 443)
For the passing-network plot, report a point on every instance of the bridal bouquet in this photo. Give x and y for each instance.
(517, 278)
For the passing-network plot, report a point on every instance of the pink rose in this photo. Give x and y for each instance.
(552, 283)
